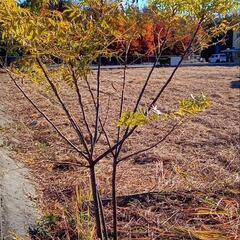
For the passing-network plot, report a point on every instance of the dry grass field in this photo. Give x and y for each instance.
(195, 171)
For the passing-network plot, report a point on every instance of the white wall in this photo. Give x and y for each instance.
(236, 40)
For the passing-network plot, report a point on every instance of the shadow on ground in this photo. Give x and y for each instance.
(235, 84)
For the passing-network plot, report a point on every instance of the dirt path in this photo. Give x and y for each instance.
(17, 211)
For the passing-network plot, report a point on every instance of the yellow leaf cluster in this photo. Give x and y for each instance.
(73, 35)
(192, 105)
(133, 119)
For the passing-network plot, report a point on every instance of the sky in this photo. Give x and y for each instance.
(141, 3)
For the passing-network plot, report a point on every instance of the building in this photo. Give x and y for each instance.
(233, 53)
(236, 40)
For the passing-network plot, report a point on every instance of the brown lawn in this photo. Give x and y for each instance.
(195, 171)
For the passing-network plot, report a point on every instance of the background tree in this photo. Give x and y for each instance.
(36, 5)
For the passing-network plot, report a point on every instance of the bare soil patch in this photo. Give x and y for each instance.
(17, 208)
(195, 171)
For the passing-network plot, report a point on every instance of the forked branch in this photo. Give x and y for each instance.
(129, 133)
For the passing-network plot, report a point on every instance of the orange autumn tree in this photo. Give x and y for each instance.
(148, 37)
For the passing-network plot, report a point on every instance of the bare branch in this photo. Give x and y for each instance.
(103, 221)
(46, 117)
(122, 92)
(97, 102)
(105, 120)
(170, 78)
(126, 134)
(152, 146)
(177, 67)
(151, 72)
(75, 80)
(114, 146)
(129, 133)
(107, 138)
(72, 121)
(100, 121)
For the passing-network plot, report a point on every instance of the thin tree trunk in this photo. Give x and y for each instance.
(115, 156)
(114, 201)
(104, 228)
(96, 203)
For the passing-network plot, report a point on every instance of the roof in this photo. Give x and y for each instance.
(231, 50)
